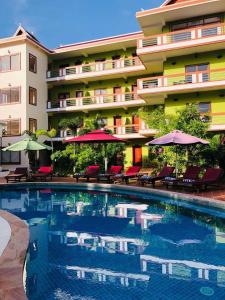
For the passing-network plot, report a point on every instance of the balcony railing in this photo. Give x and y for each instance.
(92, 100)
(124, 129)
(184, 79)
(195, 33)
(96, 67)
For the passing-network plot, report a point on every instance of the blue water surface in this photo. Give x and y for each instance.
(95, 245)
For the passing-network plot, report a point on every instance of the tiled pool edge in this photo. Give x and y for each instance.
(12, 259)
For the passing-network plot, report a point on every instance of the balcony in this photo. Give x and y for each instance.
(98, 70)
(182, 42)
(132, 131)
(123, 131)
(95, 102)
(154, 90)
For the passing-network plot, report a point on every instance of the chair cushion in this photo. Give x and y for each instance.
(92, 170)
(133, 170)
(212, 174)
(47, 170)
(166, 171)
(115, 169)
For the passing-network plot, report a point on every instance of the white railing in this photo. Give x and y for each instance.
(181, 79)
(92, 100)
(195, 33)
(96, 67)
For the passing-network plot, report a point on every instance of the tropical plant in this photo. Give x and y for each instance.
(188, 120)
(71, 123)
(75, 158)
(47, 133)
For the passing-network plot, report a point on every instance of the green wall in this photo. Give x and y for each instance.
(91, 58)
(126, 86)
(176, 65)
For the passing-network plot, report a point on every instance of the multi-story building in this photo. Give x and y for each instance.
(23, 90)
(177, 58)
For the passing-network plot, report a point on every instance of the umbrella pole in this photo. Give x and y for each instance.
(176, 163)
(105, 159)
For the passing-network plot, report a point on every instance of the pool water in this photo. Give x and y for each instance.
(95, 245)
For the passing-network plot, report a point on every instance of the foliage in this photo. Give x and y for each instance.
(75, 158)
(214, 154)
(73, 124)
(187, 120)
(156, 119)
(47, 133)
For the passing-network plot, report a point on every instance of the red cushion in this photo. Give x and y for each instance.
(166, 171)
(115, 169)
(92, 170)
(192, 172)
(45, 170)
(212, 174)
(133, 170)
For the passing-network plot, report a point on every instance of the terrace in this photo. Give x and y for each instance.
(95, 102)
(181, 42)
(155, 89)
(102, 70)
(124, 131)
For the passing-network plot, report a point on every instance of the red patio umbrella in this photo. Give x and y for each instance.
(177, 137)
(98, 137)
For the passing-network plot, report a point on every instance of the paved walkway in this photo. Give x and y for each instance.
(215, 192)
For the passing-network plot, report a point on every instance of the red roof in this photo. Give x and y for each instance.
(95, 136)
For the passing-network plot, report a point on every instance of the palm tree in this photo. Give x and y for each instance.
(47, 133)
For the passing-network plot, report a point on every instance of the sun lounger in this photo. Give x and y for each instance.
(191, 173)
(132, 172)
(211, 177)
(165, 172)
(19, 173)
(91, 172)
(43, 173)
(113, 170)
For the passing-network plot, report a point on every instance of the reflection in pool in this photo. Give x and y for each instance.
(91, 245)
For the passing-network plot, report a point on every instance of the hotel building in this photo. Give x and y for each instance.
(177, 58)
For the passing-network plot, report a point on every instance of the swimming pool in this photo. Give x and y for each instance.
(100, 245)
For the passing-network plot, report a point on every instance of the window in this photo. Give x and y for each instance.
(204, 107)
(206, 20)
(10, 63)
(32, 63)
(32, 96)
(32, 125)
(99, 92)
(9, 95)
(197, 73)
(11, 127)
(10, 157)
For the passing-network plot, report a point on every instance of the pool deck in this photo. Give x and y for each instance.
(12, 259)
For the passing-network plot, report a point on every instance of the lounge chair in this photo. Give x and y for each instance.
(132, 172)
(17, 175)
(43, 173)
(210, 177)
(113, 170)
(91, 172)
(165, 172)
(191, 173)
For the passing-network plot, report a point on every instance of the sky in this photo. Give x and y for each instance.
(62, 22)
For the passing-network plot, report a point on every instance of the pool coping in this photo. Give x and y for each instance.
(12, 259)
